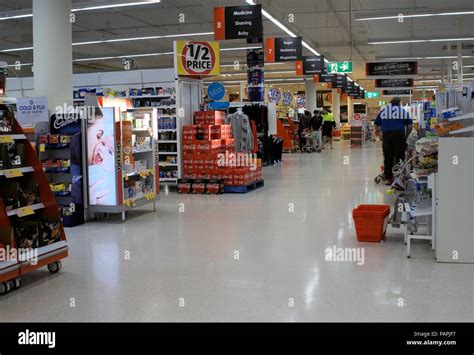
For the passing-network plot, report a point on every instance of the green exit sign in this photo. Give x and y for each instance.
(372, 95)
(382, 103)
(339, 67)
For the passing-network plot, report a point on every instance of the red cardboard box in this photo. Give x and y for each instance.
(190, 132)
(215, 117)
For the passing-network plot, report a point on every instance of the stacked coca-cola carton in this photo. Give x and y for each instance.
(209, 152)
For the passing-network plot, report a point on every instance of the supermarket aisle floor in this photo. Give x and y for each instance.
(183, 266)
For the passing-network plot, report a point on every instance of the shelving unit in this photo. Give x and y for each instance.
(38, 213)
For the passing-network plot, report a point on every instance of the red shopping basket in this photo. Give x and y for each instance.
(371, 222)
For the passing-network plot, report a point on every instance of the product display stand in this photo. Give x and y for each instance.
(29, 218)
(125, 174)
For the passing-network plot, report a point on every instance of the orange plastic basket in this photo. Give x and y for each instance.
(371, 222)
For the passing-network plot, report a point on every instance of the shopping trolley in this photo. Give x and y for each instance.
(313, 142)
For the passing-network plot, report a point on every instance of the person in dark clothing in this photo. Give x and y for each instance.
(303, 126)
(316, 121)
(396, 125)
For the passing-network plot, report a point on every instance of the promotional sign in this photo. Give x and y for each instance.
(101, 158)
(238, 22)
(390, 69)
(372, 94)
(274, 95)
(394, 83)
(32, 110)
(300, 100)
(311, 65)
(339, 67)
(216, 91)
(287, 98)
(197, 58)
(397, 92)
(286, 49)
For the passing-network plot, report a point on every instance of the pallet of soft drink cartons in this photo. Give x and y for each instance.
(209, 153)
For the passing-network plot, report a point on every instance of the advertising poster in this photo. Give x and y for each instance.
(101, 157)
(197, 58)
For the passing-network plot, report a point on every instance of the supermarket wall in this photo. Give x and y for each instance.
(119, 80)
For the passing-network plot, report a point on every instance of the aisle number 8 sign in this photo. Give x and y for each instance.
(197, 58)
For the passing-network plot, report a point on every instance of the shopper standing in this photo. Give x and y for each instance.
(396, 125)
(328, 125)
(316, 121)
(303, 126)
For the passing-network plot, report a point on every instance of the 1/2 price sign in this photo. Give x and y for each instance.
(197, 58)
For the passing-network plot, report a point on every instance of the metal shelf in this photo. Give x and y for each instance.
(27, 169)
(34, 207)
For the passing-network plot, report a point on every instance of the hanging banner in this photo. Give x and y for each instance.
(238, 22)
(32, 110)
(394, 83)
(300, 100)
(311, 65)
(286, 49)
(287, 98)
(378, 70)
(197, 58)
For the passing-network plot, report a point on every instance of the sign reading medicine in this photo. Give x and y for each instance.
(238, 22)
(339, 67)
(286, 49)
(32, 110)
(197, 58)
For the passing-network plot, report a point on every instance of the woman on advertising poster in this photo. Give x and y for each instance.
(101, 158)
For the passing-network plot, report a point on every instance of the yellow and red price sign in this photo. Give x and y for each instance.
(197, 58)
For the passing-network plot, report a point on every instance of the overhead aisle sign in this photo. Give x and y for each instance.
(377, 70)
(197, 58)
(394, 83)
(238, 22)
(288, 49)
(311, 65)
(339, 67)
(397, 92)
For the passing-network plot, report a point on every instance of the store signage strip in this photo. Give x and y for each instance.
(286, 49)
(238, 22)
(381, 70)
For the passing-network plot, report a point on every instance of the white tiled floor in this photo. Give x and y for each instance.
(190, 256)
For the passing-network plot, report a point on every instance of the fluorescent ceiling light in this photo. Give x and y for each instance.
(14, 17)
(274, 20)
(87, 8)
(240, 48)
(427, 57)
(138, 55)
(111, 6)
(391, 17)
(116, 40)
(420, 40)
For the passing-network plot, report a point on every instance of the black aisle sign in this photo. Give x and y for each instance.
(313, 65)
(288, 49)
(340, 82)
(350, 88)
(391, 68)
(327, 78)
(393, 83)
(396, 92)
(238, 22)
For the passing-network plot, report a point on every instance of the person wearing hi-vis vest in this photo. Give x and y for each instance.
(328, 125)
